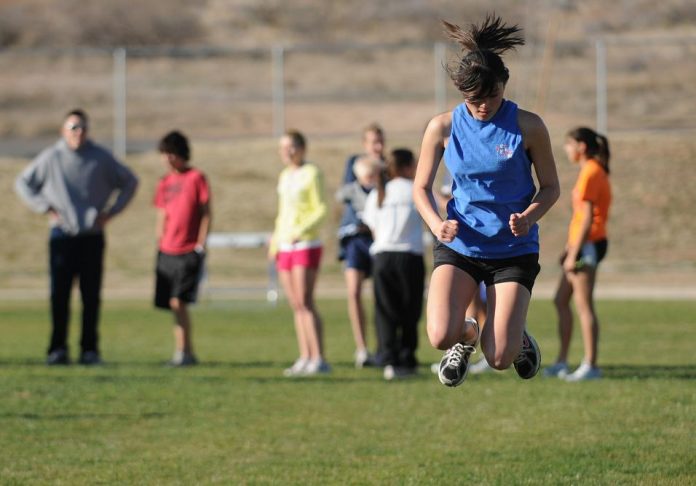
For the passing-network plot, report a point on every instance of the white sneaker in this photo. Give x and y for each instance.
(558, 370)
(316, 367)
(363, 359)
(297, 367)
(181, 359)
(481, 366)
(584, 372)
(399, 372)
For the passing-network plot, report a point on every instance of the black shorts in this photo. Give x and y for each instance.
(521, 269)
(591, 253)
(177, 276)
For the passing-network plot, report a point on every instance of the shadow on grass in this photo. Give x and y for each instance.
(609, 372)
(81, 416)
(643, 372)
(157, 364)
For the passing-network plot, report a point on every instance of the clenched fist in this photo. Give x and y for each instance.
(447, 231)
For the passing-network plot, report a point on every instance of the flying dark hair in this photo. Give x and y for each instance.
(175, 143)
(481, 67)
(398, 161)
(596, 145)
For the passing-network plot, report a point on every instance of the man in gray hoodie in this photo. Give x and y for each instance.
(80, 186)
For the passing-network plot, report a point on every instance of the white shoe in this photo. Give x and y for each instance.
(297, 367)
(399, 372)
(363, 359)
(183, 359)
(316, 367)
(558, 370)
(481, 366)
(584, 372)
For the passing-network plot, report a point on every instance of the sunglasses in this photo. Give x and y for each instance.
(73, 127)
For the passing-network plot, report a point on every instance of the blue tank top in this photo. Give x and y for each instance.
(491, 179)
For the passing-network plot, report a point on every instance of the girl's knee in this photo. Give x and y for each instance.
(438, 336)
(500, 358)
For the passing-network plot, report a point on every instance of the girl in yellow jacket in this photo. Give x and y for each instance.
(297, 249)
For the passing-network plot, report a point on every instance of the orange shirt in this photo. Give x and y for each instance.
(592, 185)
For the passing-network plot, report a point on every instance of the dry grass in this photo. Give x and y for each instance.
(651, 234)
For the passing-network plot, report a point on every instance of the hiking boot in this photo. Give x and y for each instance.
(528, 361)
(58, 357)
(454, 365)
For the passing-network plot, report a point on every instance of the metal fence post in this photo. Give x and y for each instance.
(119, 81)
(439, 54)
(278, 55)
(601, 67)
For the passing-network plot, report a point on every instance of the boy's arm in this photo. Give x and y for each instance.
(159, 224)
(204, 229)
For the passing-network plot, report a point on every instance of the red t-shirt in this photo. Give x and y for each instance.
(181, 195)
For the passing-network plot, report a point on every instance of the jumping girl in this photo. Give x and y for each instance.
(491, 233)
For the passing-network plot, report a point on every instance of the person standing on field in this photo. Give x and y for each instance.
(490, 233)
(296, 248)
(80, 186)
(399, 268)
(586, 247)
(354, 240)
(182, 199)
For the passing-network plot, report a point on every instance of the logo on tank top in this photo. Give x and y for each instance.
(503, 151)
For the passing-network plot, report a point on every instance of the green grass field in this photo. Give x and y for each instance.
(236, 420)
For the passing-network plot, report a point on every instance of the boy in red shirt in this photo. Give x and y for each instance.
(183, 221)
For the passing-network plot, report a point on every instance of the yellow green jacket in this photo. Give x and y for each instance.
(301, 206)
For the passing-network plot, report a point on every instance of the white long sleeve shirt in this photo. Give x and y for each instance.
(396, 226)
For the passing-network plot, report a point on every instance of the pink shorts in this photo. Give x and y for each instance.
(306, 257)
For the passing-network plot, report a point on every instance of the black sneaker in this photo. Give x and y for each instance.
(58, 357)
(454, 366)
(90, 358)
(528, 361)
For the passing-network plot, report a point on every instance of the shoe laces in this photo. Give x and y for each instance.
(521, 357)
(457, 352)
(526, 346)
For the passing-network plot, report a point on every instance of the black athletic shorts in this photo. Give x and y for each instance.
(591, 253)
(177, 276)
(522, 269)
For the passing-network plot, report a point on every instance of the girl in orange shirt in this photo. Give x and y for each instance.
(586, 247)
